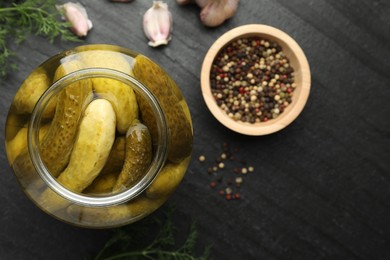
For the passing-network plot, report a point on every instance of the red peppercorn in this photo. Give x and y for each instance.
(213, 184)
(228, 196)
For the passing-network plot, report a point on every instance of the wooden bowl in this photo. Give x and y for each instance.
(301, 77)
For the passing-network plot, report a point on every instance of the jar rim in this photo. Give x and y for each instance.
(110, 199)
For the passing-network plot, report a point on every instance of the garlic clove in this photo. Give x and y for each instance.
(230, 8)
(217, 11)
(157, 24)
(77, 16)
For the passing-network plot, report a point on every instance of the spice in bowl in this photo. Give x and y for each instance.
(252, 80)
(255, 79)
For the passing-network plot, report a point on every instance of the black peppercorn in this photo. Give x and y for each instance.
(252, 73)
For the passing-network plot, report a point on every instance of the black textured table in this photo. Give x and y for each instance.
(320, 187)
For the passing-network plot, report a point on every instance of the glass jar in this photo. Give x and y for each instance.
(99, 136)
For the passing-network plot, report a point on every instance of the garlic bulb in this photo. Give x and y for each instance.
(215, 12)
(158, 24)
(77, 16)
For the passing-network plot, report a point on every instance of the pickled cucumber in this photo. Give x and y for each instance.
(167, 180)
(57, 145)
(30, 91)
(120, 95)
(92, 147)
(68, 65)
(165, 89)
(19, 143)
(138, 156)
(104, 59)
(116, 158)
(186, 110)
(14, 123)
(102, 184)
(122, 98)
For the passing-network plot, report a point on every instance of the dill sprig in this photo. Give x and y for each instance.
(19, 20)
(125, 243)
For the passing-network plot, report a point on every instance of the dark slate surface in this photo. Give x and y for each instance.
(320, 189)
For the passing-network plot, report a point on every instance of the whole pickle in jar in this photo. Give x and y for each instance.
(165, 89)
(92, 147)
(57, 145)
(31, 90)
(167, 180)
(18, 144)
(138, 156)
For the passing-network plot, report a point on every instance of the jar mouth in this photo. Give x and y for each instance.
(98, 200)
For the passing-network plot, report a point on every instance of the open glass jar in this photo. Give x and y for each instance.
(99, 136)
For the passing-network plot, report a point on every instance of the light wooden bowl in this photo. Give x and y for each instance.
(301, 77)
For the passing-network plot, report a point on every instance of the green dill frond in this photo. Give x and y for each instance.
(163, 246)
(19, 20)
(192, 238)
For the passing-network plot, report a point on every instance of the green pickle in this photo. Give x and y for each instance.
(104, 183)
(30, 91)
(99, 136)
(138, 156)
(116, 158)
(165, 89)
(58, 143)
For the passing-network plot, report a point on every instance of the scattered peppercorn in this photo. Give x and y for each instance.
(238, 180)
(228, 190)
(228, 174)
(202, 158)
(252, 80)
